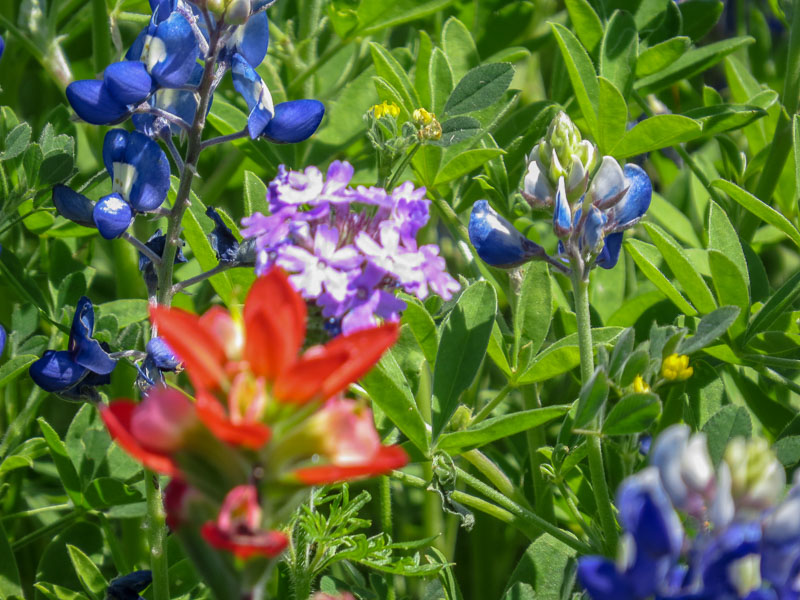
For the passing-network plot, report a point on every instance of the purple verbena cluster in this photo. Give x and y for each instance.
(348, 249)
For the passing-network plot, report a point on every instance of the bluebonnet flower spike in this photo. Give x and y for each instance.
(497, 241)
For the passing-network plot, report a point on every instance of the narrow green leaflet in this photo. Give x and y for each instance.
(466, 162)
(66, 470)
(651, 271)
(386, 66)
(655, 133)
(16, 141)
(89, 575)
(127, 311)
(24, 455)
(423, 328)
(726, 117)
(796, 147)
(776, 306)
(693, 284)
(612, 116)
(480, 88)
(389, 389)
(465, 336)
(586, 22)
(712, 326)
(440, 77)
(593, 396)
(52, 591)
(10, 586)
(722, 236)
(619, 50)
(700, 16)
(459, 47)
(581, 74)
(731, 288)
(14, 367)
(255, 194)
(534, 307)
(457, 130)
(659, 57)
(763, 211)
(632, 414)
(498, 427)
(496, 351)
(374, 15)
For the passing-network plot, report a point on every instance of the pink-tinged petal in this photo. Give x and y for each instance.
(201, 352)
(304, 380)
(240, 510)
(387, 459)
(364, 349)
(263, 543)
(117, 417)
(174, 495)
(230, 335)
(346, 431)
(161, 421)
(249, 435)
(275, 324)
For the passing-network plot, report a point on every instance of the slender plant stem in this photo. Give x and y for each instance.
(220, 268)
(492, 404)
(542, 495)
(36, 511)
(495, 475)
(402, 167)
(173, 151)
(580, 287)
(225, 138)
(157, 536)
(141, 247)
(49, 529)
(387, 525)
(324, 58)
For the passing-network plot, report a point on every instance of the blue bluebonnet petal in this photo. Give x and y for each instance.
(173, 52)
(91, 101)
(162, 9)
(600, 577)
(163, 356)
(128, 587)
(86, 351)
(149, 189)
(497, 241)
(2, 46)
(634, 204)
(56, 371)
(223, 241)
(128, 81)
(114, 144)
(737, 541)
(593, 230)
(609, 255)
(255, 93)
(73, 206)
(294, 121)
(112, 216)
(562, 216)
(608, 184)
(156, 243)
(3, 338)
(251, 40)
(137, 47)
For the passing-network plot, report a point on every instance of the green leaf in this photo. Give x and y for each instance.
(693, 284)
(637, 249)
(389, 389)
(14, 367)
(89, 575)
(544, 565)
(51, 591)
(655, 133)
(592, 397)
(387, 67)
(659, 57)
(465, 336)
(10, 586)
(727, 423)
(422, 326)
(459, 47)
(788, 450)
(533, 308)
(711, 327)
(496, 350)
(722, 236)
(374, 15)
(21, 281)
(127, 311)
(466, 162)
(673, 220)
(612, 116)
(699, 17)
(106, 492)
(480, 88)
(440, 76)
(760, 209)
(776, 306)
(619, 50)
(725, 117)
(634, 413)
(24, 455)
(66, 470)
(17, 141)
(796, 152)
(550, 363)
(496, 428)
(255, 195)
(457, 130)
(586, 23)
(690, 64)
(581, 74)
(635, 364)
(731, 288)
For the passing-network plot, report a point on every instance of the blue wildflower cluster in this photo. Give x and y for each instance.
(348, 249)
(185, 51)
(693, 531)
(591, 205)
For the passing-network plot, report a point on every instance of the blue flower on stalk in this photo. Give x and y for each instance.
(497, 241)
(2, 46)
(159, 359)
(85, 364)
(180, 103)
(294, 121)
(139, 173)
(255, 93)
(163, 55)
(251, 41)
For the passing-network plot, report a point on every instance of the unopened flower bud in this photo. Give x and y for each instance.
(237, 12)
(217, 7)
(676, 368)
(563, 137)
(757, 476)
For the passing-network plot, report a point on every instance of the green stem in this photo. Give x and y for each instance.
(326, 56)
(157, 536)
(402, 167)
(36, 511)
(48, 530)
(492, 404)
(580, 288)
(385, 484)
(491, 471)
(542, 495)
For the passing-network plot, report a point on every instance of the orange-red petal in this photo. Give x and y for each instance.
(275, 324)
(261, 543)
(385, 460)
(364, 349)
(213, 416)
(303, 381)
(200, 351)
(117, 417)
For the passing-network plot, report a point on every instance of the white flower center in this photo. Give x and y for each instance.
(124, 178)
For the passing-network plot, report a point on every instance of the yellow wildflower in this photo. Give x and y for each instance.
(423, 117)
(386, 109)
(676, 368)
(640, 385)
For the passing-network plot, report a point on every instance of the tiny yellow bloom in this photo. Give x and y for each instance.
(640, 385)
(423, 117)
(676, 368)
(385, 109)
